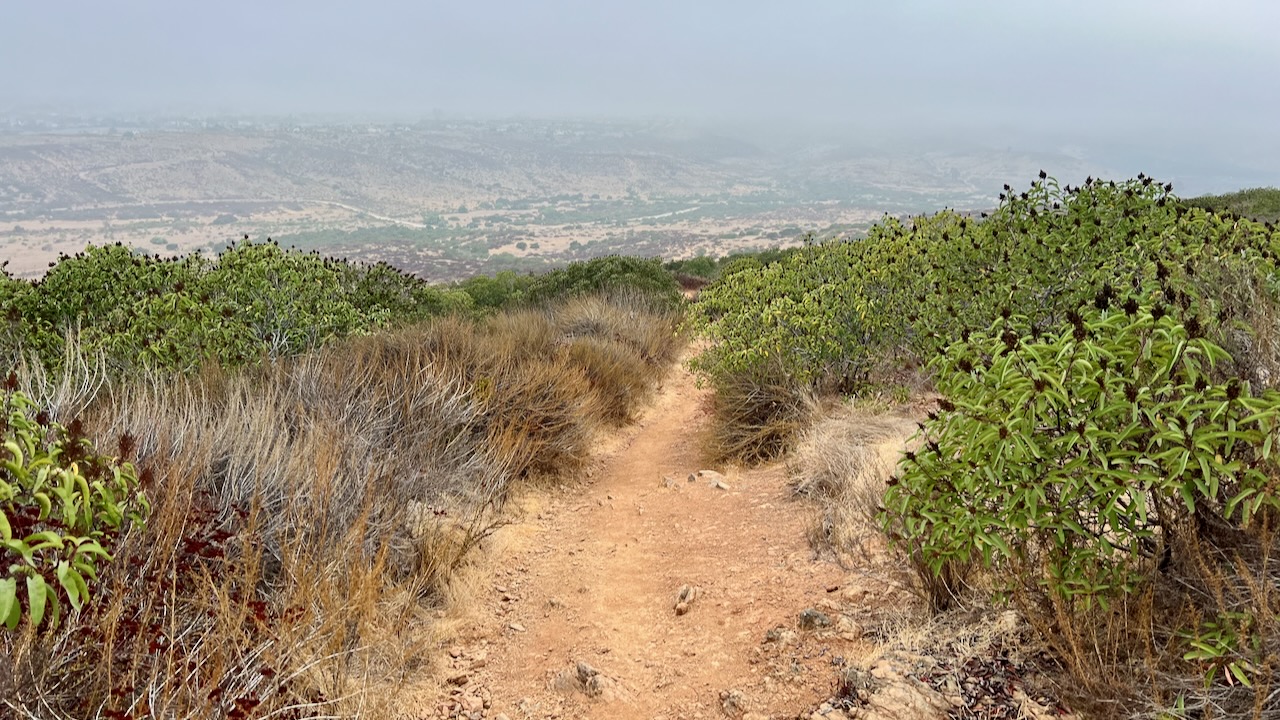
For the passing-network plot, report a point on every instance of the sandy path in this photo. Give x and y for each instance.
(595, 577)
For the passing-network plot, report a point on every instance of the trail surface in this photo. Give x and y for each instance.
(579, 618)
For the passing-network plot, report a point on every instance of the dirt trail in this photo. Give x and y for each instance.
(594, 580)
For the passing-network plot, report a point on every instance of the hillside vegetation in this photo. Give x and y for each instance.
(239, 488)
(1261, 204)
(1101, 453)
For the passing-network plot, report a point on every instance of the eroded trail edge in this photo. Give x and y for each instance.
(580, 616)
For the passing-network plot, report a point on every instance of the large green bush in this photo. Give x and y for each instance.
(832, 311)
(256, 300)
(1080, 459)
(615, 272)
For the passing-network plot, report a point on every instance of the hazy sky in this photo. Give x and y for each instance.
(1108, 70)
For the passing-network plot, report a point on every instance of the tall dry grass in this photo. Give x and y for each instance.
(308, 513)
(843, 461)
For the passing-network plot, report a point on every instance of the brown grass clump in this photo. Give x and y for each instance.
(1249, 320)
(308, 513)
(617, 376)
(843, 461)
(756, 420)
(635, 321)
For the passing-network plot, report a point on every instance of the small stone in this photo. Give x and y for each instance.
(781, 636)
(848, 628)
(587, 680)
(854, 595)
(813, 619)
(685, 597)
(517, 627)
(734, 703)
(501, 716)
(472, 704)
(455, 652)
(459, 678)
(883, 670)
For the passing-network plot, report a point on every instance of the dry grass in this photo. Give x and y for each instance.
(617, 376)
(308, 515)
(757, 420)
(1250, 314)
(843, 461)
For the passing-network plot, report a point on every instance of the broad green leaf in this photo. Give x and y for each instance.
(37, 598)
(10, 613)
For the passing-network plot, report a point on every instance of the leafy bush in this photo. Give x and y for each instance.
(805, 315)
(1114, 485)
(490, 294)
(615, 272)
(62, 509)
(1079, 458)
(256, 301)
(700, 267)
(832, 315)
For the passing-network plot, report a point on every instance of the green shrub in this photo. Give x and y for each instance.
(699, 267)
(489, 294)
(1078, 458)
(614, 272)
(62, 508)
(829, 316)
(256, 301)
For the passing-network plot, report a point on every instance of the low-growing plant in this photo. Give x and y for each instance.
(1226, 647)
(62, 509)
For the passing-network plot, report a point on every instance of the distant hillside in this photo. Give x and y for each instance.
(446, 200)
(1261, 204)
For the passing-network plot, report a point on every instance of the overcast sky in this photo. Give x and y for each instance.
(1110, 70)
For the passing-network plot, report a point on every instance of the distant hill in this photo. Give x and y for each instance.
(447, 200)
